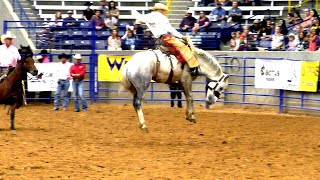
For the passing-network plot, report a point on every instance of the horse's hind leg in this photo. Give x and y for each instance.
(137, 100)
(186, 82)
(12, 115)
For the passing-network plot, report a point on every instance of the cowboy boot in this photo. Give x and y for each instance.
(196, 71)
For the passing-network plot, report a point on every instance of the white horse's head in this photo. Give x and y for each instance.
(215, 88)
(210, 67)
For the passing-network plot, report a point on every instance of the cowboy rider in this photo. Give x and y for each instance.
(9, 54)
(161, 28)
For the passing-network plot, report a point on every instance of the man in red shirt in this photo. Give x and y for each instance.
(77, 72)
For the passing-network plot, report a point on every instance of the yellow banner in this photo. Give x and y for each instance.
(309, 76)
(109, 67)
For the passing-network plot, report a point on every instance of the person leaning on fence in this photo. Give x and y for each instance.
(63, 82)
(78, 71)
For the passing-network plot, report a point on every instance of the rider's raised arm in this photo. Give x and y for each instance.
(172, 30)
(138, 16)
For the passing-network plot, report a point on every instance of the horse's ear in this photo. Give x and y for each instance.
(28, 47)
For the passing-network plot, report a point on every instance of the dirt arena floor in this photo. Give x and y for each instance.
(228, 142)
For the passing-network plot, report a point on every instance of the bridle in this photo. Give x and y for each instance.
(216, 88)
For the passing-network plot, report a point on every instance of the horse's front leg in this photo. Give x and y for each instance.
(12, 114)
(186, 82)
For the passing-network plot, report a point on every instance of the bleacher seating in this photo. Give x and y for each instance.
(46, 11)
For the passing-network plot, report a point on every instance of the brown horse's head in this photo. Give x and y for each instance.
(27, 60)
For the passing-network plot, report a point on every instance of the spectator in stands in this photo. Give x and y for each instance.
(314, 14)
(290, 18)
(272, 27)
(265, 30)
(291, 46)
(204, 2)
(316, 25)
(302, 41)
(246, 2)
(129, 39)
(243, 41)
(45, 37)
(69, 21)
(313, 39)
(233, 41)
(225, 2)
(88, 12)
(148, 40)
(283, 26)
(218, 14)
(110, 22)
(114, 11)
(138, 29)
(187, 22)
(297, 17)
(277, 40)
(63, 82)
(235, 14)
(202, 23)
(56, 21)
(99, 21)
(114, 41)
(256, 3)
(307, 19)
(103, 6)
(174, 87)
(77, 72)
(255, 28)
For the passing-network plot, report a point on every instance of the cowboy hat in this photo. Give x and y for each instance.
(160, 6)
(137, 22)
(189, 11)
(77, 56)
(44, 51)
(8, 34)
(63, 55)
(88, 3)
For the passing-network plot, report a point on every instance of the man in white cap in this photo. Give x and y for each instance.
(9, 54)
(160, 27)
(77, 72)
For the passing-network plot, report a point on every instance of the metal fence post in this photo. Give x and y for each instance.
(281, 100)
(92, 63)
(5, 26)
(244, 80)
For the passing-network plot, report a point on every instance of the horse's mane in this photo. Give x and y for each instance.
(210, 61)
(206, 56)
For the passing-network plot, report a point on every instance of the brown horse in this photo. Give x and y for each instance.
(11, 90)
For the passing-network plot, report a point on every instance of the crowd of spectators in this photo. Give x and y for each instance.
(105, 18)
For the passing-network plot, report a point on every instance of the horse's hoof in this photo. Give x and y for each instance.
(13, 129)
(192, 119)
(145, 130)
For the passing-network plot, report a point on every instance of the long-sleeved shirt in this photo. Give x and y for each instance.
(78, 69)
(157, 23)
(9, 56)
(63, 71)
(99, 21)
